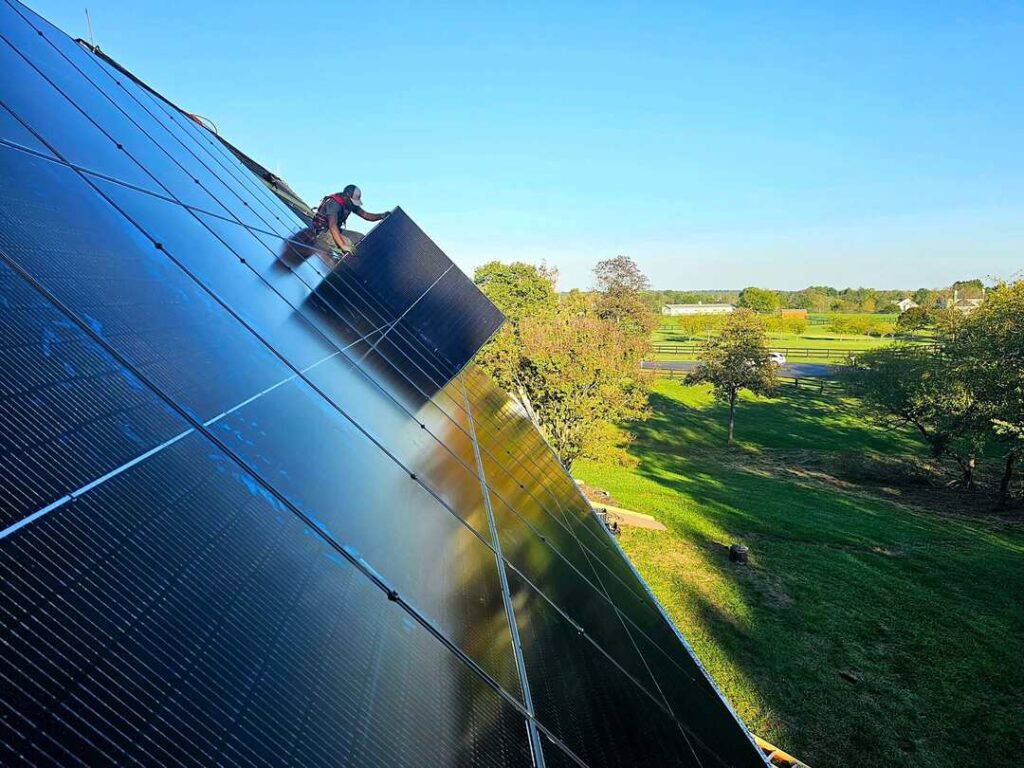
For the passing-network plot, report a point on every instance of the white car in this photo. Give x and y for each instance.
(777, 357)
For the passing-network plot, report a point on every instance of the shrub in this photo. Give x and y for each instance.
(795, 325)
(698, 326)
(863, 325)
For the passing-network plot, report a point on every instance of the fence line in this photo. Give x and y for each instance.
(670, 348)
(798, 382)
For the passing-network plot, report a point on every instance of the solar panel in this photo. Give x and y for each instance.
(255, 511)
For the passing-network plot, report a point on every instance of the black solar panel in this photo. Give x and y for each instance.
(256, 512)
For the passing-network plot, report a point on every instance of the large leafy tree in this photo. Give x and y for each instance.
(519, 291)
(621, 296)
(914, 385)
(914, 319)
(759, 299)
(575, 371)
(736, 359)
(581, 373)
(989, 361)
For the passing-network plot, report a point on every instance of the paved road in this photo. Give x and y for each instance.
(810, 370)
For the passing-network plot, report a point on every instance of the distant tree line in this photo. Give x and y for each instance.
(821, 298)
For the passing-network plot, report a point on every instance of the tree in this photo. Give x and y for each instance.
(969, 289)
(759, 299)
(927, 298)
(620, 275)
(914, 319)
(989, 360)
(519, 291)
(576, 373)
(581, 373)
(736, 359)
(621, 287)
(914, 385)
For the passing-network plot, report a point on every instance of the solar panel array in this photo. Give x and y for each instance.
(252, 513)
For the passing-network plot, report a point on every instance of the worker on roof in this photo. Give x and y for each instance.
(326, 231)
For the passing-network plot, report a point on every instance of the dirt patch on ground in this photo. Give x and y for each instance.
(596, 496)
(614, 514)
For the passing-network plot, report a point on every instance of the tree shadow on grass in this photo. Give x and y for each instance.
(832, 576)
(792, 419)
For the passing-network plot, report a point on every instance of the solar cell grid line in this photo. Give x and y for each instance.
(365, 568)
(72, 495)
(397, 320)
(202, 136)
(535, 743)
(602, 588)
(621, 724)
(538, 481)
(270, 347)
(165, 113)
(426, 366)
(64, 45)
(666, 622)
(154, 177)
(636, 668)
(157, 537)
(13, 133)
(61, 37)
(418, 480)
(128, 141)
(657, 687)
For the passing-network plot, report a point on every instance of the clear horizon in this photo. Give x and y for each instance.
(786, 146)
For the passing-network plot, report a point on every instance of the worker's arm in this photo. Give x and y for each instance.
(371, 216)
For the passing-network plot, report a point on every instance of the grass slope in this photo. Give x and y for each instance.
(923, 612)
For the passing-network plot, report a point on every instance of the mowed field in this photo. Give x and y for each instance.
(865, 630)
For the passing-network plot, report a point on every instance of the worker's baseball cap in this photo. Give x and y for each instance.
(354, 194)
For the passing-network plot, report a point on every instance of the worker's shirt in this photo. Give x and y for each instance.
(338, 204)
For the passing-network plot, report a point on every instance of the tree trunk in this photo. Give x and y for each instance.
(969, 467)
(1004, 484)
(732, 414)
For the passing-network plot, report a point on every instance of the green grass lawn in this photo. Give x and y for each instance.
(924, 612)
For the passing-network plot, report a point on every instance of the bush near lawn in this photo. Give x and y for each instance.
(863, 631)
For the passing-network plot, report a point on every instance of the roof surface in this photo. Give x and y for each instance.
(253, 513)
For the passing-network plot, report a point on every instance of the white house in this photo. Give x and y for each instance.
(905, 304)
(697, 309)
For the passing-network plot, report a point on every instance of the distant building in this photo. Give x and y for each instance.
(905, 304)
(963, 306)
(697, 309)
(799, 314)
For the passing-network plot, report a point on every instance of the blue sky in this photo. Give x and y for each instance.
(718, 144)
